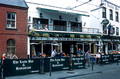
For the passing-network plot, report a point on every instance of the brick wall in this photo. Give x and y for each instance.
(19, 35)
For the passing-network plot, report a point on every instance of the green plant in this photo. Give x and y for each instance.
(85, 42)
(33, 34)
(88, 36)
(46, 35)
(72, 35)
(56, 35)
(97, 36)
(81, 36)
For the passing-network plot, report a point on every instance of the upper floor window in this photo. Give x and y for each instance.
(11, 20)
(103, 12)
(117, 31)
(116, 16)
(111, 14)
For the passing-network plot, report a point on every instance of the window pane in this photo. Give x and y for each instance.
(8, 24)
(13, 16)
(116, 15)
(13, 24)
(111, 14)
(103, 12)
(8, 16)
(117, 31)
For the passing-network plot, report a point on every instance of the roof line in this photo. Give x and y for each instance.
(54, 6)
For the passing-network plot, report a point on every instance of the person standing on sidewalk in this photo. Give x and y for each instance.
(87, 57)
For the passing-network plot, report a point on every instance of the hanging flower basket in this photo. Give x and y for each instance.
(57, 35)
(33, 34)
(72, 35)
(46, 35)
(85, 42)
(81, 36)
(97, 37)
(88, 36)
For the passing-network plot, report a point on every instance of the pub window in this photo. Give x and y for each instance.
(117, 31)
(111, 14)
(116, 16)
(11, 46)
(11, 20)
(103, 12)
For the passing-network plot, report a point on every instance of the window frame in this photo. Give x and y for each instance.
(111, 14)
(11, 19)
(117, 28)
(116, 16)
(104, 12)
(10, 45)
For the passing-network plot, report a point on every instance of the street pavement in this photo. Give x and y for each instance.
(108, 74)
(66, 74)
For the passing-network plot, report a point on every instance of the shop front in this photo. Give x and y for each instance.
(70, 46)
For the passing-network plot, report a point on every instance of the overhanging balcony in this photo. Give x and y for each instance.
(45, 27)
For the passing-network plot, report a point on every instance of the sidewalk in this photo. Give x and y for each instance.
(67, 73)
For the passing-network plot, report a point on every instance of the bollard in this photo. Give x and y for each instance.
(50, 68)
(92, 63)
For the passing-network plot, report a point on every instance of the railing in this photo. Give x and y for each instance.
(65, 28)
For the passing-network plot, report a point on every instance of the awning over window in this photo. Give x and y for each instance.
(65, 11)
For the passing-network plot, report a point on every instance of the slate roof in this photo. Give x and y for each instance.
(18, 3)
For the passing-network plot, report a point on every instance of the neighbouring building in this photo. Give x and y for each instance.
(13, 27)
(70, 27)
(104, 15)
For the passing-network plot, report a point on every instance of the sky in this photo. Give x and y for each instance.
(66, 3)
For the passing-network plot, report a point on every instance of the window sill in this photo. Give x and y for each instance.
(11, 29)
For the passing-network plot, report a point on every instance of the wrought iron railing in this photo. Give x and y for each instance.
(65, 28)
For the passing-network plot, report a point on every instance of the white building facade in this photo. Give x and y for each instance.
(68, 27)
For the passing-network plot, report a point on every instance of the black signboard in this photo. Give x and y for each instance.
(119, 57)
(57, 64)
(15, 67)
(105, 59)
(78, 62)
(114, 58)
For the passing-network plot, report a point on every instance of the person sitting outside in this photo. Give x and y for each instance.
(79, 52)
(68, 55)
(97, 57)
(58, 54)
(63, 54)
(44, 55)
(3, 56)
(53, 53)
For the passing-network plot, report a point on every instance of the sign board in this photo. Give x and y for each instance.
(119, 57)
(16, 67)
(57, 64)
(78, 62)
(114, 58)
(105, 59)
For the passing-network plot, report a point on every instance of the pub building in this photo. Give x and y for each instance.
(63, 29)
